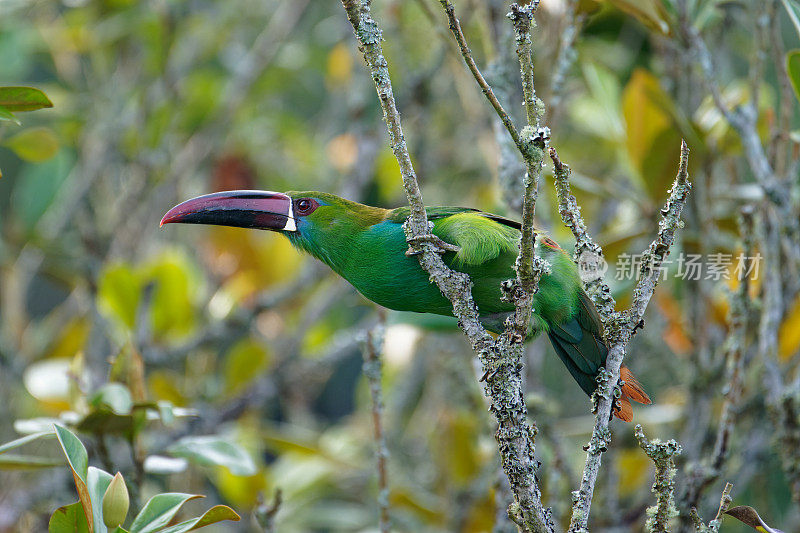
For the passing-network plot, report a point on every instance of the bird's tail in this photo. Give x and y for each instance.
(631, 390)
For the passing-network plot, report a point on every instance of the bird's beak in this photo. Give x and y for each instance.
(243, 209)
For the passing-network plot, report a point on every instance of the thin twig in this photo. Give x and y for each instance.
(373, 370)
(265, 513)
(455, 27)
(714, 525)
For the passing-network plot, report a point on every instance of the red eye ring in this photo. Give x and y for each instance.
(305, 206)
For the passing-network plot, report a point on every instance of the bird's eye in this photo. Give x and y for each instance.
(306, 206)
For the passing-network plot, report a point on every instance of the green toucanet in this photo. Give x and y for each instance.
(367, 246)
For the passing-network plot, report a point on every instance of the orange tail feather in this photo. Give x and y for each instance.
(632, 390)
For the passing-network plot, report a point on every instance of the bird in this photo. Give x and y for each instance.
(367, 247)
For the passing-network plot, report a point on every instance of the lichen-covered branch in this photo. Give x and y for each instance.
(588, 253)
(373, 371)
(786, 416)
(522, 19)
(531, 144)
(663, 455)
(619, 330)
(501, 361)
(265, 513)
(534, 141)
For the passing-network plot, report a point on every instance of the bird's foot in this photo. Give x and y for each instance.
(441, 246)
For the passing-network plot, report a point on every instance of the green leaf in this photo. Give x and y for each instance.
(78, 461)
(159, 511)
(23, 99)
(12, 461)
(74, 450)
(218, 513)
(215, 450)
(793, 9)
(34, 144)
(173, 309)
(103, 421)
(118, 293)
(114, 396)
(69, 519)
(5, 114)
(97, 482)
(793, 69)
(749, 516)
(38, 186)
(24, 440)
(245, 361)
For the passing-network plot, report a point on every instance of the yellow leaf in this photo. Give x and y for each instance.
(118, 294)
(343, 151)
(240, 491)
(176, 282)
(163, 385)
(456, 441)
(634, 470)
(34, 144)
(387, 176)
(71, 340)
(340, 66)
(650, 12)
(244, 363)
(653, 140)
(789, 332)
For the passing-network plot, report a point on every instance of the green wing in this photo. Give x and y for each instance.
(579, 343)
(480, 236)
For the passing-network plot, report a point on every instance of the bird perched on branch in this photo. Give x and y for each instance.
(367, 246)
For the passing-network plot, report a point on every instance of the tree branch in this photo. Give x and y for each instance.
(588, 253)
(702, 475)
(743, 119)
(466, 53)
(662, 454)
(373, 369)
(619, 331)
(501, 361)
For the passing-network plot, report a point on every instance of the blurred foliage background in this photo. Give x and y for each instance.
(235, 362)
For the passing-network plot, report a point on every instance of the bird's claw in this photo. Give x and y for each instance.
(441, 246)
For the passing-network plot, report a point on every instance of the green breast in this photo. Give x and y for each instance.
(375, 263)
(379, 268)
